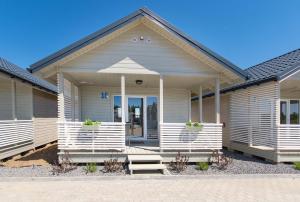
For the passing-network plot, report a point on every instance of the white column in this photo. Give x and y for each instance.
(123, 98)
(217, 100)
(161, 99)
(190, 105)
(13, 99)
(61, 102)
(200, 105)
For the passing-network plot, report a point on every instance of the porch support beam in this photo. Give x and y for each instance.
(217, 100)
(190, 105)
(61, 102)
(13, 99)
(200, 105)
(161, 99)
(123, 98)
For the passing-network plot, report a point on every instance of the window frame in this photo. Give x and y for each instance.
(288, 111)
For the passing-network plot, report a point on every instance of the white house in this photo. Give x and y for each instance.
(261, 115)
(28, 110)
(136, 76)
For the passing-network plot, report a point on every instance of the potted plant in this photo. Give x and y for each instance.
(91, 125)
(193, 126)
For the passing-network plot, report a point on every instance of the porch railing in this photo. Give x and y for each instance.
(15, 136)
(175, 136)
(109, 136)
(288, 137)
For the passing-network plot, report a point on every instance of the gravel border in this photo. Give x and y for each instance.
(240, 165)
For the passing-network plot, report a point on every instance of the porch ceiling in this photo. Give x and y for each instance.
(149, 81)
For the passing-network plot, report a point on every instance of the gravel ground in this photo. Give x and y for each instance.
(240, 165)
(46, 171)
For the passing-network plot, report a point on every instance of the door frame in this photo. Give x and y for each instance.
(144, 137)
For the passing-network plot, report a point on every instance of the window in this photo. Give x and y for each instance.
(294, 112)
(289, 112)
(117, 109)
(283, 112)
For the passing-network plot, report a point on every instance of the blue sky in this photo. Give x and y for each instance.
(243, 31)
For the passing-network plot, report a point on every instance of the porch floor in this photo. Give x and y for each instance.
(142, 147)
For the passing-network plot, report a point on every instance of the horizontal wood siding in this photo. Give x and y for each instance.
(128, 54)
(15, 137)
(109, 136)
(45, 131)
(175, 136)
(93, 107)
(5, 99)
(23, 101)
(253, 115)
(44, 105)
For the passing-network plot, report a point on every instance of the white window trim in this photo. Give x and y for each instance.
(288, 110)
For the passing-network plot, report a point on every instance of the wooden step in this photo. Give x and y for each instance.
(144, 158)
(147, 167)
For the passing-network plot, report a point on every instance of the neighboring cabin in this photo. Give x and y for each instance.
(28, 110)
(261, 116)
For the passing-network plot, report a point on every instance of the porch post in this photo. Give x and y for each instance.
(13, 99)
(61, 102)
(123, 98)
(161, 109)
(190, 106)
(200, 105)
(217, 99)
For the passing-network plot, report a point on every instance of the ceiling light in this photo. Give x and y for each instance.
(138, 82)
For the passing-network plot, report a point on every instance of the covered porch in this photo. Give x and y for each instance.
(139, 114)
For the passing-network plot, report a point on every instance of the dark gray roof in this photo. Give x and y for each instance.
(120, 23)
(278, 67)
(17, 72)
(274, 69)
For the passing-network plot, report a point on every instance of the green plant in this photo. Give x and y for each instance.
(202, 166)
(297, 165)
(193, 125)
(91, 168)
(89, 122)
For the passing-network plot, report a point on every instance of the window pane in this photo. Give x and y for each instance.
(294, 112)
(283, 111)
(152, 123)
(117, 109)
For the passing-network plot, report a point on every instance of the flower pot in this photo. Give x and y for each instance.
(90, 127)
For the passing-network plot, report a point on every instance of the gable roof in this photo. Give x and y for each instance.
(274, 69)
(142, 12)
(15, 71)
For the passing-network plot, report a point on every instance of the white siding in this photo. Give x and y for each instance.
(44, 105)
(124, 55)
(93, 107)
(253, 115)
(5, 100)
(23, 101)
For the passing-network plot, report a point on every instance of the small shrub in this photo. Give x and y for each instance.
(297, 165)
(112, 166)
(91, 168)
(220, 160)
(202, 166)
(180, 163)
(65, 166)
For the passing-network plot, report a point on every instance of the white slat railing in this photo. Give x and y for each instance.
(288, 137)
(45, 130)
(175, 136)
(109, 136)
(15, 136)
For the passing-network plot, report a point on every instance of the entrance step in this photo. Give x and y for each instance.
(145, 163)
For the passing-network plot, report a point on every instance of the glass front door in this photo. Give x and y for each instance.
(135, 117)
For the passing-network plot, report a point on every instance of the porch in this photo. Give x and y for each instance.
(134, 123)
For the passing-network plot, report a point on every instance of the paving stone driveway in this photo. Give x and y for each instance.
(221, 188)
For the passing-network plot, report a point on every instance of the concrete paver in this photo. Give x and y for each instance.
(172, 189)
